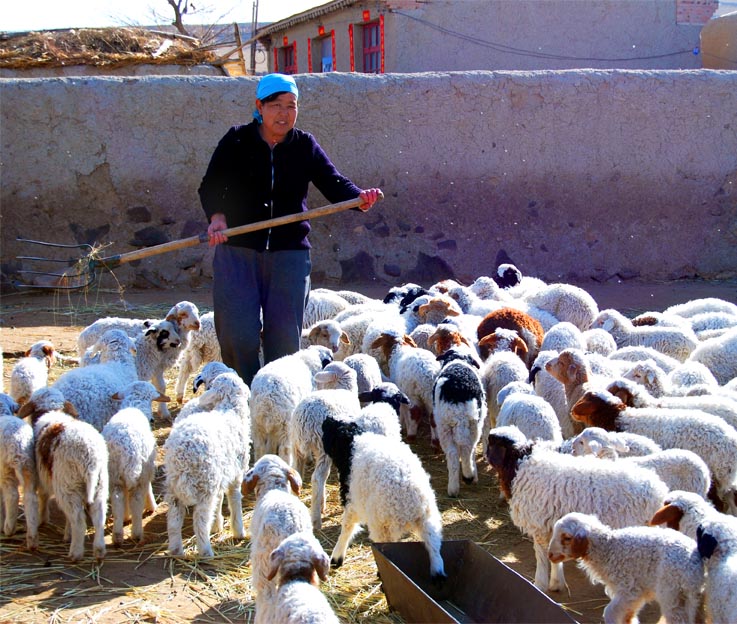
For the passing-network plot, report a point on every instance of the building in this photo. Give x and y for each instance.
(383, 36)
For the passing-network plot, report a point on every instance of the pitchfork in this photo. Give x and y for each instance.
(83, 272)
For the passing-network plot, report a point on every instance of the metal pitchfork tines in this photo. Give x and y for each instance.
(83, 272)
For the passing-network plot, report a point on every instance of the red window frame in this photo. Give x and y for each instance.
(289, 56)
(372, 48)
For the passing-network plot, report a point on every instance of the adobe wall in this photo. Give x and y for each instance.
(572, 175)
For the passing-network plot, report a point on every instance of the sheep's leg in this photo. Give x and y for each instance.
(30, 504)
(202, 518)
(117, 507)
(187, 366)
(235, 504)
(542, 569)
(73, 507)
(97, 510)
(219, 521)
(160, 384)
(623, 609)
(10, 503)
(454, 468)
(43, 506)
(150, 504)
(349, 527)
(319, 496)
(174, 522)
(137, 498)
(468, 463)
(557, 577)
(126, 499)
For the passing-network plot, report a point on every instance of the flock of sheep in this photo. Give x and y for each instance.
(607, 434)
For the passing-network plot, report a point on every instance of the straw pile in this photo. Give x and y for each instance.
(102, 47)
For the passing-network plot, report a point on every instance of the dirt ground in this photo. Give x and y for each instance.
(140, 583)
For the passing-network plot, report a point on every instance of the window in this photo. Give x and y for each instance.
(372, 48)
(326, 54)
(289, 59)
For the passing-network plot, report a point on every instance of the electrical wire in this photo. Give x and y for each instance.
(500, 47)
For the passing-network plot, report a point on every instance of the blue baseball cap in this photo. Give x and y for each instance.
(276, 83)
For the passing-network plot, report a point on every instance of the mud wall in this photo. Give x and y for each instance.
(570, 174)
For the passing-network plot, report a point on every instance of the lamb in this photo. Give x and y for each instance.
(205, 377)
(184, 315)
(528, 328)
(541, 485)
(298, 564)
(414, 371)
(368, 373)
(71, 459)
(717, 545)
(699, 306)
(337, 396)
(566, 303)
(31, 372)
(458, 410)
(677, 342)
(499, 369)
(278, 514)
(678, 468)
(276, 390)
(719, 355)
(685, 511)
(203, 347)
(327, 333)
(635, 564)
(90, 388)
(552, 390)
(131, 457)
(531, 414)
(571, 368)
(708, 436)
(591, 439)
(17, 468)
(204, 457)
(384, 486)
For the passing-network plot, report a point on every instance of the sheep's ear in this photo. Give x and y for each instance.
(48, 350)
(580, 544)
(27, 353)
(608, 324)
(149, 331)
(465, 341)
(432, 341)
(519, 346)
(249, 483)
(321, 564)
(650, 376)
(147, 324)
(669, 515)
(408, 341)
(70, 409)
(706, 543)
(277, 556)
(295, 481)
(162, 398)
(324, 377)
(366, 397)
(117, 396)
(26, 409)
(316, 329)
(403, 398)
(344, 338)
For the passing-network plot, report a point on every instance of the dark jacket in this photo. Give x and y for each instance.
(238, 183)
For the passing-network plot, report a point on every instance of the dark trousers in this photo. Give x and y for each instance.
(258, 290)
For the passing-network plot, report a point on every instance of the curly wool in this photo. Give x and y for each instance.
(203, 347)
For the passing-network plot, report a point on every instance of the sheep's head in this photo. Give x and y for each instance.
(598, 408)
(502, 340)
(624, 389)
(506, 448)
(676, 505)
(46, 399)
(185, 315)
(271, 472)
(570, 538)
(444, 337)
(299, 556)
(569, 367)
(328, 334)
(386, 392)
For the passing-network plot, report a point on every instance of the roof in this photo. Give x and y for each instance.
(104, 47)
(305, 16)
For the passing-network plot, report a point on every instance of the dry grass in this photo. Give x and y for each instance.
(102, 47)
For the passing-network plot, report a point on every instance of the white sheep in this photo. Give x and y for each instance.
(414, 371)
(719, 355)
(563, 335)
(278, 514)
(599, 341)
(336, 396)
(635, 564)
(204, 378)
(639, 353)
(71, 460)
(708, 436)
(31, 372)
(297, 565)
(131, 457)
(17, 469)
(699, 306)
(530, 413)
(552, 390)
(677, 342)
(591, 439)
(327, 333)
(276, 390)
(690, 374)
(323, 303)
(717, 544)
(202, 347)
(541, 485)
(368, 373)
(384, 486)
(90, 388)
(685, 511)
(459, 404)
(205, 457)
(565, 302)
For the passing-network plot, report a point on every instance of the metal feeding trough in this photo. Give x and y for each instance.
(479, 587)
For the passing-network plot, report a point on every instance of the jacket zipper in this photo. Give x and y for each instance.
(271, 197)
